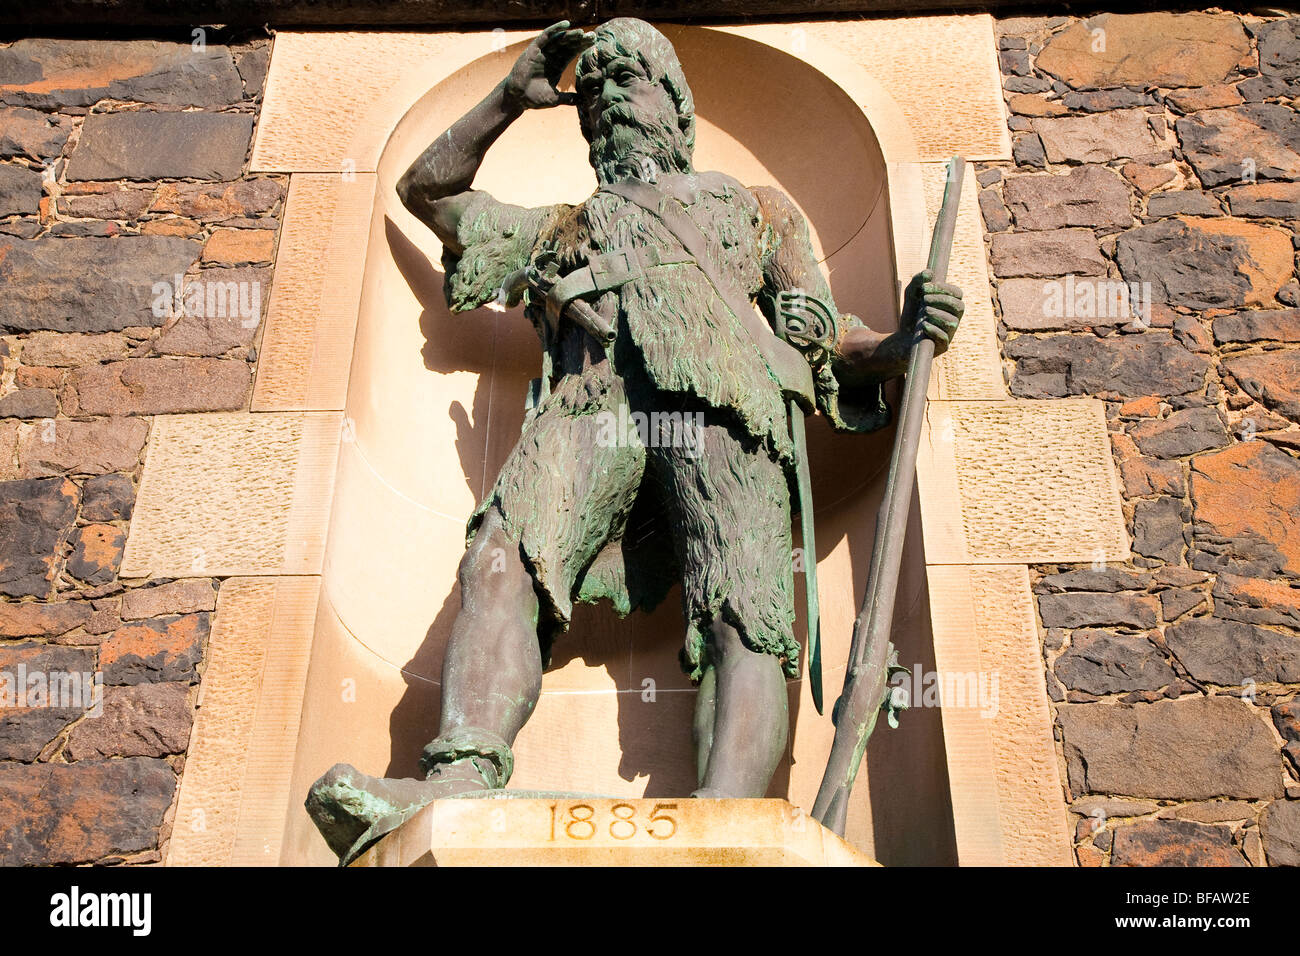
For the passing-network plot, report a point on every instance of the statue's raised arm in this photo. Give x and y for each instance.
(436, 189)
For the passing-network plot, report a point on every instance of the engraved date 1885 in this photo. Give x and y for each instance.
(581, 821)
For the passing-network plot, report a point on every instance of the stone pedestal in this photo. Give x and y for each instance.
(577, 831)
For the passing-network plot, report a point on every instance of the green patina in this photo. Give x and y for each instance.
(598, 530)
(644, 301)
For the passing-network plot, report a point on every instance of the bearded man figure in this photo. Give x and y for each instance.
(644, 299)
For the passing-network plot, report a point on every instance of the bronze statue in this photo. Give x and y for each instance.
(643, 297)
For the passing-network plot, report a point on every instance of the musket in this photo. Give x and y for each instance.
(872, 657)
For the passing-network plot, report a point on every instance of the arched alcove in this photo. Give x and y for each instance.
(435, 402)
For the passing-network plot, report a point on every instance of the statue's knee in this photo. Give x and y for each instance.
(492, 562)
(727, 649)
(472, 562)
(725, 641)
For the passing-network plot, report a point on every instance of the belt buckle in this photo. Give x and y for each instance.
(613, 269)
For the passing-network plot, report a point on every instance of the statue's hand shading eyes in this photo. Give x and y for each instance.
(532, 83)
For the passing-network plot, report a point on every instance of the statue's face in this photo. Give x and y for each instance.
(620, 93)
(630, 119)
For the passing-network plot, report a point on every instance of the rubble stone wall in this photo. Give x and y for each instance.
(135, 268)
(1143, 247)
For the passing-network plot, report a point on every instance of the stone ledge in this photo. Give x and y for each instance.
(435, 12)
(586, 831)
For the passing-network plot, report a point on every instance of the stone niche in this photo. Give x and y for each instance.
(435, 402)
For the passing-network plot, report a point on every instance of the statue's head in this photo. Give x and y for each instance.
(635, 108)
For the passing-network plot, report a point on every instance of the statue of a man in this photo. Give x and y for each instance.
(644, 299)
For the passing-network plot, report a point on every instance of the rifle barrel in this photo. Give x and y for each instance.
(864, 680)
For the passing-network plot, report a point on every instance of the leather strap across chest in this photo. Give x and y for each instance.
(604, 273)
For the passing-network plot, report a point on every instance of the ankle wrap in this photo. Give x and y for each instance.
(490, 754)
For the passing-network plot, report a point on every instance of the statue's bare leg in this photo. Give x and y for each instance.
(492, 677)
(706, 710)
(750, 718)
(492, 671)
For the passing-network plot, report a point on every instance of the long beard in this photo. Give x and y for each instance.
(628, 145)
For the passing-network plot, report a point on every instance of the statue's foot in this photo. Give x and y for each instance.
(352, 809)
